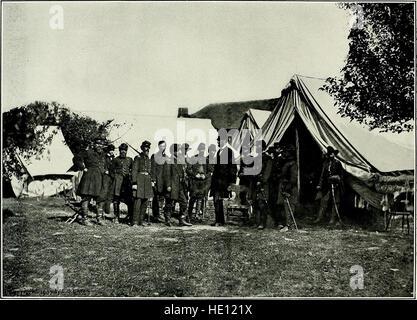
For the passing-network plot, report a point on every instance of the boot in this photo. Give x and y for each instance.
(84, 214)
(320, 216)
(333, 217)
(167, 215)
(198, 207)
(182, 222)
(116, 209)
(100, 216)
(83, 221)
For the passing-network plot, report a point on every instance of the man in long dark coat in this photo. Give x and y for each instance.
(158, 161)
(330, 185)
(261, 188)
(198, 174)
(288, 190)
(141, 183)
(246, 180)
(92, 162)
(224, 175)
(277, 162)
(121, 189)
(176, 188)
(107, 178)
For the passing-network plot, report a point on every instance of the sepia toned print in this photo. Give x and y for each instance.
(208, 150)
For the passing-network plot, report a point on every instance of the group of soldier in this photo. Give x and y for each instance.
(274, 191)
(268, 185)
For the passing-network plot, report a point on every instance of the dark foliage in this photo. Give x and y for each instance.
(22, 134)
(377, 83)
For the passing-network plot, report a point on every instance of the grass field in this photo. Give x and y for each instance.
(156, 261)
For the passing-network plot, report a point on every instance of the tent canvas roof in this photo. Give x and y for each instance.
(55, 159)
(358, 146)
(260, 116)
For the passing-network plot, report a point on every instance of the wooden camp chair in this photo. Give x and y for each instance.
(408, 210)
(235, 204)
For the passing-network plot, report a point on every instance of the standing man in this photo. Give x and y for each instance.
(330, 185)
(176, 188)
(92, 163)
(158, 161)
(142, 183)
(107, 178)
(245, 179)
(122, 181)
(274, 183)
(198, 174)
(288, 190)
(261, 193)
(224, 175)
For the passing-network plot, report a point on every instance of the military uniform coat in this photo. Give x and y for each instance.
(159, 174)
(106, 193)
(92, 180)
(121, 172)
(262, 189)
(331, 167)
(175, 178)
(142, 177)
(198, 186)
(288, 182)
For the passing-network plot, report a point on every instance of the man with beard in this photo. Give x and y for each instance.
(107, 178)
(158, 161)
(92, 163)
(121, 188)
(330, 185)
(176, 188)
(224, 175)
(141, 183)
(288, 190)
(261, 188)
(198, 174)
(277, 161)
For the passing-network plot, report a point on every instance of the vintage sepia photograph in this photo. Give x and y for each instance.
(208, 150)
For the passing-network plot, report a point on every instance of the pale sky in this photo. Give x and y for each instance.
(151, 58)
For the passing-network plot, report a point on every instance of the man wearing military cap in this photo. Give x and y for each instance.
(121, 189)
(176, 187)
(107, 178)
(158, 161)
(198, 173)
(277, 163)
(142, 183)
(330, 185)
(288, 190)
(92, 162)
(261, 184)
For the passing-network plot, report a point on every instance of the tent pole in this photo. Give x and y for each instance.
(297, 145)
